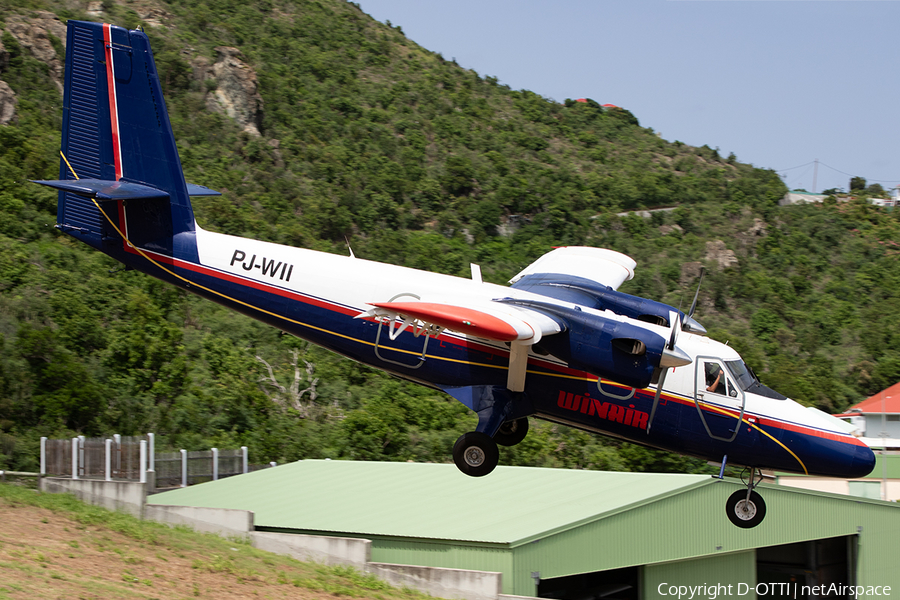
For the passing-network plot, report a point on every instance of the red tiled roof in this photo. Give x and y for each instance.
(885, 401)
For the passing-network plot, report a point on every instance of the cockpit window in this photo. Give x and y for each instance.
(742, 373)
(747, 380)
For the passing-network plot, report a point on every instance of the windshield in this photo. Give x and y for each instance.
(747, 380)
(742, 373)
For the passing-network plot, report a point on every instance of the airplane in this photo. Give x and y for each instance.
(560, 344)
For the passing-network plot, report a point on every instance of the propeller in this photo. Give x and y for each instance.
(671, 356)
(690, 325)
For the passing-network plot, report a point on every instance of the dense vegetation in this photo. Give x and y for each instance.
(369, 138)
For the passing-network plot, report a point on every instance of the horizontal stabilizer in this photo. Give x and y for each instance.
(201, 190)
(104, 190)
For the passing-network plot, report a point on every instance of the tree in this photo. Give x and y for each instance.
(857, 184)
(876, 190)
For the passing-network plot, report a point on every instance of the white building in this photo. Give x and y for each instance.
(877, 423)
(800, 197)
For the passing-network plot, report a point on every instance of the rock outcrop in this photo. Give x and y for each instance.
(667, 229)
(717, 252)
(33, 33)
(236, 91)
(7, 95)
(7, 103)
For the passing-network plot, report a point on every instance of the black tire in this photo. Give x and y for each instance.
(745, 514)
(512, 432)
(475, 454)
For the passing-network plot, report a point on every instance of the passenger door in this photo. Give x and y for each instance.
(720, 403)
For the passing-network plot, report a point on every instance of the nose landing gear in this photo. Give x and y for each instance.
(746, 508)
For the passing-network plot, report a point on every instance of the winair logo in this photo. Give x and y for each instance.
(605, 410)
(281, 270)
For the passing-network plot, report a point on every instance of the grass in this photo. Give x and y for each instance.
(127, 552)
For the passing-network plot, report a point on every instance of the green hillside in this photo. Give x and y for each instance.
(354, 133)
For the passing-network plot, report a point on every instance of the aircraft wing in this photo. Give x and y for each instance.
(488, 320)
(607, 267)
(518, 326)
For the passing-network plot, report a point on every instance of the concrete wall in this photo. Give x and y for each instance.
(222, 521)
(126, 496)
(443, 583)
(328, 550)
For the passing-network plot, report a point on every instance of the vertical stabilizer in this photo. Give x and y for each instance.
(116, 129)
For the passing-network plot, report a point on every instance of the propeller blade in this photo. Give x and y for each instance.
(659, 387)
(675, 320)
(696, 294)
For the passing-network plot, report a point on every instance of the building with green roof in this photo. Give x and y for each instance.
(882, 483)
(570, 534)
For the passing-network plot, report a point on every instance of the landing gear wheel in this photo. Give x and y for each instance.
(475, 454)
(745, 513)
(512, 432)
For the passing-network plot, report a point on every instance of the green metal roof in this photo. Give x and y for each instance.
(432, 501)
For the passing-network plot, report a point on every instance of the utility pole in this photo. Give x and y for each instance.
(815, 174)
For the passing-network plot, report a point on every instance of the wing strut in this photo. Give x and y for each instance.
(518, 365)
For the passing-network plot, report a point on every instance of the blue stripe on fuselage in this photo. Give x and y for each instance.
(451, 361)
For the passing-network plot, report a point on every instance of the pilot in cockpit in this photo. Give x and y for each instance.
(715, 379)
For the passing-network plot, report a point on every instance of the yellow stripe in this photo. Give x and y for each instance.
(724, 412)
(465, 362)
(242, 303)
(68, 165)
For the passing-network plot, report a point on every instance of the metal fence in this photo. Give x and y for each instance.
(185, 468)
(91, 456)
(120, 457)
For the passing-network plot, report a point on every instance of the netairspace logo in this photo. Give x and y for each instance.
(794, 590)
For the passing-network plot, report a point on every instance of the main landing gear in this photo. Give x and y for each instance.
(746, 508)
(476, 454)
(512, 432)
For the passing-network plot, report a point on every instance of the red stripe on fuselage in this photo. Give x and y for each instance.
(771, 422)
(113, 108)
(553, 368)
(327, 305)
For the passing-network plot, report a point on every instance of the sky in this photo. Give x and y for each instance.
(781, 84)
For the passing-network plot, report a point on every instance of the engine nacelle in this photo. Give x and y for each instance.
(621, 352)
(578, 290)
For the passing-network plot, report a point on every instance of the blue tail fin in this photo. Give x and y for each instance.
(118, 142)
